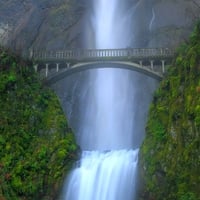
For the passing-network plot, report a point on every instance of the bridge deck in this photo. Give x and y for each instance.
(102, 54)
(54, 65)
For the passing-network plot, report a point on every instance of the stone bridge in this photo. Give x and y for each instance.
(55, 65)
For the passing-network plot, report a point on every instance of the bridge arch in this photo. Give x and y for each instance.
(82, 66)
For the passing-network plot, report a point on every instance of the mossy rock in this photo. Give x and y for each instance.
(37, 145)
(170, 153)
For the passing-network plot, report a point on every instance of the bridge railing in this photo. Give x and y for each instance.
(81, 54)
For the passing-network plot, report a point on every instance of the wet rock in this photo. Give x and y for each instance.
(40, 25)
(161, 23)
(61, 24)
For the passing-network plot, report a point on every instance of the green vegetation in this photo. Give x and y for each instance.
(37, 147)
(170, 154)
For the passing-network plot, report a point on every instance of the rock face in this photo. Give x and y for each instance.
(163, 23)
(40, 24)
(61, 24)
(169, 155)
(172, 21)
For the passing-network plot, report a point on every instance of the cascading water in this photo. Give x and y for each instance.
(104, 176)
(107, 169)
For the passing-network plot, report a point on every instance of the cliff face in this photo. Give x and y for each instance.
(44, 24)
(163, 23)
(170, 152)
(40, 24)
(172, 22)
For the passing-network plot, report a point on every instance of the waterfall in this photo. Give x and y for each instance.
(104, 176)
(111, 117)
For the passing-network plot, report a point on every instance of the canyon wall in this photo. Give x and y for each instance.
(59, 24)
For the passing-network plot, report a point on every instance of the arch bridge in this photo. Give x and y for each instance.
(55, 65)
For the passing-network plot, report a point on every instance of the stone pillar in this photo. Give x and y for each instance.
(57, 67)
(120, 53)
(92, 53)
(47, 69)
(140, 62)
(101, 53)
(163, 66)
(35, 67)
(151, 61)
(68, 65)
(115, 52)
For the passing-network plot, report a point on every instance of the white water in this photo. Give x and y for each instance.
(104, 176)
(111, 24)
(108, 165)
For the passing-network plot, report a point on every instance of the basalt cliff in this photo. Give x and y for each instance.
(61, 24)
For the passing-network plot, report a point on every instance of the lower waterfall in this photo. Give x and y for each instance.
(104, 176)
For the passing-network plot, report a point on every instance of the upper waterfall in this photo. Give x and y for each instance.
(108, 121)
(110, 24)
(113, 114)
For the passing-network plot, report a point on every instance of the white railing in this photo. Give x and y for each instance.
(84, 54)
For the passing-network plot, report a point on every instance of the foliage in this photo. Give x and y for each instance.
(170, 154)
(37, 147)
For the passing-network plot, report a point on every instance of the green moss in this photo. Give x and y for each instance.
(37, 147)
(170, 152)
